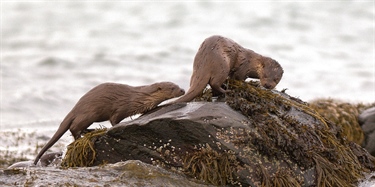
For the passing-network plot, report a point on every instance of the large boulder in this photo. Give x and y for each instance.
(257, 137)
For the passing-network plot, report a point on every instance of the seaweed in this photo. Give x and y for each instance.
(283, 178)
(81, 153)
(209, 166)
(343, 114)
(288, 126)
(205, 96)
(284, 142)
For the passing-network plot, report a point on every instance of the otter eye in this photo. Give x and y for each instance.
(159, 88)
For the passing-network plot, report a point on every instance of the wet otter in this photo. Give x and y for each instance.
(219, 58)
(113, 102)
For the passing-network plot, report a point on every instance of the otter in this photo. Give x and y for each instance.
(219, 58)
(113, 102)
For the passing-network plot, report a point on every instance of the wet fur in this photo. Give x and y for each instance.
(113, 102)
(219, 58)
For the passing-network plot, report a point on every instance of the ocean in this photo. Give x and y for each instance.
(54, 52)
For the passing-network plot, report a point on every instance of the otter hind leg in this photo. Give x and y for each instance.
(217, 90)
(78, 126)
(216, 83)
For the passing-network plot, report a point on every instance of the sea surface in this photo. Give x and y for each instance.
(54, 52)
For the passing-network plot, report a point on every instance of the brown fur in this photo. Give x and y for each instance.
(113, 102)
(219, 58)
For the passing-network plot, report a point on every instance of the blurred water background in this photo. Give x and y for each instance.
(54, 52)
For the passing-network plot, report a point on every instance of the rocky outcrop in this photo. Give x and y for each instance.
(257, 137)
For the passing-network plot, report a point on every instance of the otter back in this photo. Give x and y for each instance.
(219, 58)
(113, 102)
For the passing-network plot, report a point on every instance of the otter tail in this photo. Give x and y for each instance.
(64, 126)
(196, 88)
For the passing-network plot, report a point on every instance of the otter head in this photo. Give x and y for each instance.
(270, 73)
(167, 90)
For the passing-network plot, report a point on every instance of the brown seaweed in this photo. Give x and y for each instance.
(81, 153)
(310, 141)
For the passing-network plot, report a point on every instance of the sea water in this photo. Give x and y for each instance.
(54, 52)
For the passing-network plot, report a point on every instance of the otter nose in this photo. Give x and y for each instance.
(267, 85)
(182, 91)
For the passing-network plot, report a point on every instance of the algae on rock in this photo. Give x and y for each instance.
(310, 140)
(343, 114)
(210, 166)
(81, 153)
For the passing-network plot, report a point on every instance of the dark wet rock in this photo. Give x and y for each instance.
(367, 122)
(50, 158)
(257, 137)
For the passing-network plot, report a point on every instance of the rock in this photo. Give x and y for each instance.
(367, 122)
(369, 181)
(53, 158)
(129, 173)
(367, 115)
(22, 164)
(257, 137)
(50, 158)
